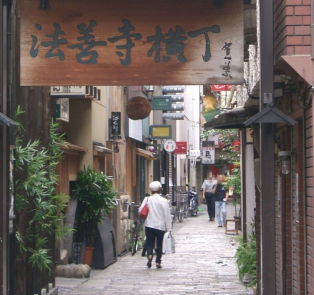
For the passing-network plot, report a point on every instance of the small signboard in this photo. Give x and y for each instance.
(69, 91)
(169, 145)
(173, 98)
(173, 116)
(62, 109)
(115, 124)
(177, 106)
(173, 89)
(160, 131)
(163, 104)
(208, 155)
(78, 253)
(194, 154)
(181, 147)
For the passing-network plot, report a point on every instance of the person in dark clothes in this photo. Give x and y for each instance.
(207, 187)
(221, 198)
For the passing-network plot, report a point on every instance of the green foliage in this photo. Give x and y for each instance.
(227, 137)
(37, 194)
(96, 198)
(246, 258)
(232, 155)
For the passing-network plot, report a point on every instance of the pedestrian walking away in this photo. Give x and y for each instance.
(157, 222)
(207, 187)
(221, 198)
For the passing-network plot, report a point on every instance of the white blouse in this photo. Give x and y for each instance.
(159, 216)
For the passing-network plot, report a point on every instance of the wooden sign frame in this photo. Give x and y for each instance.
(139, 42)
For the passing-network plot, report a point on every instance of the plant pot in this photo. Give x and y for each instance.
(88, 255)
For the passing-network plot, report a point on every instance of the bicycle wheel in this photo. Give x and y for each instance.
(134, 245)
(180, 214)
(135, 238)
(186, 210)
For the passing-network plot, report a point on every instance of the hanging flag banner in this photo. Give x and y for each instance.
(220, 87)
(139, 42)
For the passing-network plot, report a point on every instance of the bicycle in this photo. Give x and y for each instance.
(134, 215)
(183, 210)
(171, 208)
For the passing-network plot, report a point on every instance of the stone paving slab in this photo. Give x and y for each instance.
(204, 263)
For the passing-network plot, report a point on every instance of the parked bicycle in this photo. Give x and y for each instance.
(193, 202)
(183, 208)
(171, 208)
(134, 215)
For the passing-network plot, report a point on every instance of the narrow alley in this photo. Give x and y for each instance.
(204, 263)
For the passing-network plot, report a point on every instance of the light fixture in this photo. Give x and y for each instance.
(44, 4)
(150, 92)
(149, 138)
(116, 148)
(285, 162)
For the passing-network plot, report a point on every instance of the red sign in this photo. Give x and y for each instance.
(181, 147)
(221, 87)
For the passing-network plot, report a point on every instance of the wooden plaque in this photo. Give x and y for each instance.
(138, 42)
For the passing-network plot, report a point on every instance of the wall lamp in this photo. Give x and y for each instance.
(150, 92)
(116, 148)
(44, 4)
(285, 162)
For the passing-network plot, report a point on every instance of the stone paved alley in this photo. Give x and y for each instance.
(203, 264)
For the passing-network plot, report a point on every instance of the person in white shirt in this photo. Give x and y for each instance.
(157, 222)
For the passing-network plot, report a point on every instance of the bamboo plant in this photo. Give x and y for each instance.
(96, 197)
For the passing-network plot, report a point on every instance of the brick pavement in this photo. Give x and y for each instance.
(203, 264)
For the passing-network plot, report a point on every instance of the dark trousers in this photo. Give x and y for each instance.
(151, 235)
(210, 201)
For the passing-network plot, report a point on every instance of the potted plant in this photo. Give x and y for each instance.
(95, 198)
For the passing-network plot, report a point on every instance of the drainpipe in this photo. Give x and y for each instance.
(243, 184)
(283, 234)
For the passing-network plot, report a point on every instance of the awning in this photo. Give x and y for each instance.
(72, 148)
(232, 119)
(102, 149)
(303, 65)
(144, 153)
(4, 120)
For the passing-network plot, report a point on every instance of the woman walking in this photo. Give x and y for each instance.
(157, 222)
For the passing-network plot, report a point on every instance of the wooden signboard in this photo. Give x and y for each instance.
(138, 42)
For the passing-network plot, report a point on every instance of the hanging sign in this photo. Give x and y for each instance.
(208, 155)
(62, 109)
(115, 124)
(160, 131)
(181, 147)
(83, 42)
(169, 145)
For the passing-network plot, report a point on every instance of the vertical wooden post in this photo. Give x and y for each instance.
(4, 161)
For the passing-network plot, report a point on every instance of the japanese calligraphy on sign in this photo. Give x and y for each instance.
(112, 43)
